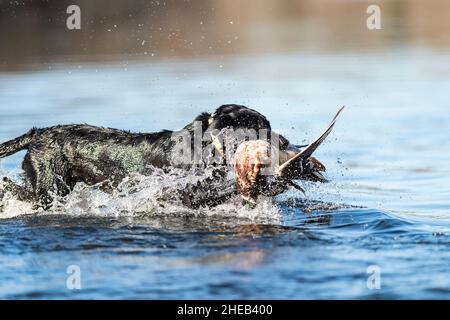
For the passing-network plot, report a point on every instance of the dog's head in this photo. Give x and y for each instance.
(224, 130)
(232, 124)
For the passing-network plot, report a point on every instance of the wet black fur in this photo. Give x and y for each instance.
(60, 156)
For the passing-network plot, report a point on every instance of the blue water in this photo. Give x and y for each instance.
(387, 205)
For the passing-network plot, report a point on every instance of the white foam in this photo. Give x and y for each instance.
(138, 195)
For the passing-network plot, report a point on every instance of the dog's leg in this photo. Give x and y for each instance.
(47, 172)
(20, 192)
(46, 186)
(209, 192)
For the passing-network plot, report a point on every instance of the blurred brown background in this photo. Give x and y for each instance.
(34, 31)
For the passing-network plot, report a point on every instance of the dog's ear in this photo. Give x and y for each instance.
(203, 118)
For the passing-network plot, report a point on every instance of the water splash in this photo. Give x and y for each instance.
(141, 195)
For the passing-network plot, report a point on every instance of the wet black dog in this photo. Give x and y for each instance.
(58, 157)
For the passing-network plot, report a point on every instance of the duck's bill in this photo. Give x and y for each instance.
(317, 176)
(293, 162)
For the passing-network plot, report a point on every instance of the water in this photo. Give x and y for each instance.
(387, 204)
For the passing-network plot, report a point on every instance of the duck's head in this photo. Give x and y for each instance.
(262, 169)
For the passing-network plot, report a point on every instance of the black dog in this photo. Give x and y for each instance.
(58, 157)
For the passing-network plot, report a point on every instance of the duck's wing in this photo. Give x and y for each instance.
(309, 150)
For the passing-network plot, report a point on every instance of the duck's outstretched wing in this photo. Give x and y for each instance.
(309, 150)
